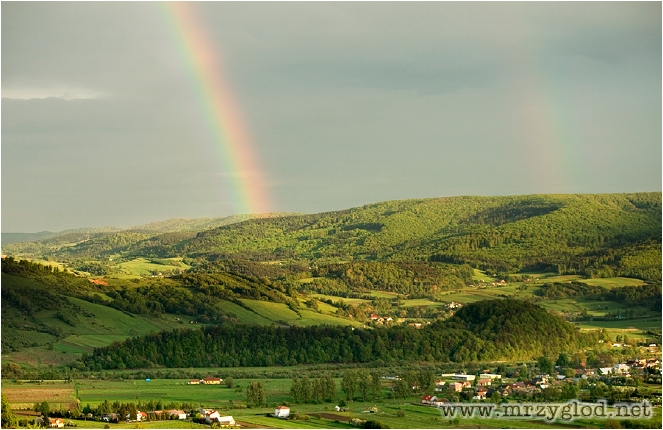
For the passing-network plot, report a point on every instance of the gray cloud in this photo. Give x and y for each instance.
(346, 104)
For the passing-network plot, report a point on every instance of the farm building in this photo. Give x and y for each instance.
(226, 421)
(282, 412)
(212, 381)
(177, 414)
(56, 423)
(461, 377)
(490, 376)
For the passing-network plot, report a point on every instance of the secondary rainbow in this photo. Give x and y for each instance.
(221, 115)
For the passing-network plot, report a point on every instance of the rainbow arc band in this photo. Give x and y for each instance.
(220, 113)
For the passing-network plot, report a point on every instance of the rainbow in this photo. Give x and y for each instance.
(220, 113)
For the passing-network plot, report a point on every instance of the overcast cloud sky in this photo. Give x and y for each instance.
(345, 104)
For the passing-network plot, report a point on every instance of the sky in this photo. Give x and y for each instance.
(123, 113)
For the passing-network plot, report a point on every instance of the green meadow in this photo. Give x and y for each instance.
(614, 282)
(143, 267)
(280, 313)
(395, 413)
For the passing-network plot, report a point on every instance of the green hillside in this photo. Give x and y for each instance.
(587, 233)
(594, 260)
(487, 330)
(604, 235)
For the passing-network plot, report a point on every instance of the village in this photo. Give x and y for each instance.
(619, 381)
(625, 381)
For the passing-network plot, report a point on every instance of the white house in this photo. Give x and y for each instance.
(490, 376)
(211, 416)
(460, 377)
(226, 421)
(180, 414)
(282, 412)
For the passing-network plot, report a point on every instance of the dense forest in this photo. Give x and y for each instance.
(488, 330)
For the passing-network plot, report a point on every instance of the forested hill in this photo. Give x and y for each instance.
(594, 235)
(490, 330)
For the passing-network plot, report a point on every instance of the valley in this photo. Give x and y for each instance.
(436, 285)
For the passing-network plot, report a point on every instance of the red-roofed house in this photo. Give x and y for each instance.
(282, 412)
(56, 423)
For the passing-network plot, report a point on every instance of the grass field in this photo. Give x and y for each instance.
(244, 315)
(648, 323)
(349, 301)
(281, 313)
(144, 267)
(420, 302)
(229, 401)
(480, 275)
(614, 282)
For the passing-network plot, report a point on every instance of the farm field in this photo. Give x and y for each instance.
(142, 267)
(350, 301)
(652, 322)
(614, 282)
(230, 401)
(23, 396)
(244, 315)
(281, 313)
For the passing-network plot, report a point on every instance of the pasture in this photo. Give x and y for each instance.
(396, 413)
(614, 282)
(280, 313)
(143, 267)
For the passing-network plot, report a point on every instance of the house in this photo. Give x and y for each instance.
(226, 421)
(461, 377)
(374, 317)
(140, 416)
(504, 390)
(456, 386)
(428, 400)
(483, 382)
(282, 412)
(56, 423)
(518, 386)
(110, 418)
(621, 368)
(490, 376)
(177, 414)
(194, 382)
(540, 379)
(466, 384)
(439, 385)
(442, 401)
(481, 393)
(211, 416)
(212, 381)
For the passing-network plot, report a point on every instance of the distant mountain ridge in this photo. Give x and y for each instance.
(592, 234)
(8, 238)
(165, 226)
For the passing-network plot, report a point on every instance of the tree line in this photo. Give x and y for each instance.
(490, 330)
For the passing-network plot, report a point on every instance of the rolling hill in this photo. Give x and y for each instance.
(596, 235)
